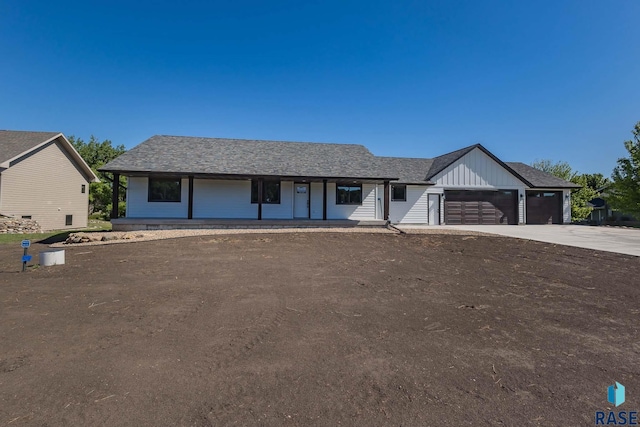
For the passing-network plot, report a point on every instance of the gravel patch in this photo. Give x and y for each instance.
(440, 230)
(116, 237)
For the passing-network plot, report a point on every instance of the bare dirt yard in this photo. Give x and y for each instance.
(318, 329)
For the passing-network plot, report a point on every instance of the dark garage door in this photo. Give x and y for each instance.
(481, 207)
(544, 207)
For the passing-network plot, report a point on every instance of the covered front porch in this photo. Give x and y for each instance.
(156, 201)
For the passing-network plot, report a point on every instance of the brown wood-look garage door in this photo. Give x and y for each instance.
(481, 207)
(544, 207)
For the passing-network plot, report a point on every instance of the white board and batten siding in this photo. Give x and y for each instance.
(477, 171)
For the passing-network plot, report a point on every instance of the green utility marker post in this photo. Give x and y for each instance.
(25, 257)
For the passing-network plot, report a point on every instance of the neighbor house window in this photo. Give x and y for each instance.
(270, 191)
(399, 193)
(349, 194)
(165, 189)
(83, 189)
(26, 216)
(68, 220)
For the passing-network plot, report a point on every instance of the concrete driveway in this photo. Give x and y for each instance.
(610, 239)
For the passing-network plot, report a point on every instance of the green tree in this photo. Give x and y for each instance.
(560, 169)
(579, 197)
(97, 154)
(624, 192)
(597, 181)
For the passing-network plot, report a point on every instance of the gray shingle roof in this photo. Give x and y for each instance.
(540, 179)
(14, 142)
(179, 154)
(441, 162)
(222, 156)
(408, 170)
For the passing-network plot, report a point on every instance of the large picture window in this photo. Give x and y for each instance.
(164, 189)
(399, 193)
(270, 192)
(349, 194)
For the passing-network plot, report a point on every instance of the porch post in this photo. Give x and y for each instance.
(260, 183)
(324, 199)
(115, 195)
(190, 212)
(386, 200)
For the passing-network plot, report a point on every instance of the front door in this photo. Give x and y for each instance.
(434, 209)
(301, 201)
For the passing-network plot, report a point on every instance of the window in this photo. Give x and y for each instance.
(399, 193)
(83, 189)
(270, 192)
(165, 189)
(349, 194)
(68, 220)
(26, 216)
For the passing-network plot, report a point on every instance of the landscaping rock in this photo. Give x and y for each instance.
(10, 225)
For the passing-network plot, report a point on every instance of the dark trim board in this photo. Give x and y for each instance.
(115, 195)
(324, 199)
(190, 207)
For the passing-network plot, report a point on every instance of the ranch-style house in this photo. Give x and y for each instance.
(184, 182)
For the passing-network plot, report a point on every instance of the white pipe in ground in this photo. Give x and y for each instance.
(53, 257)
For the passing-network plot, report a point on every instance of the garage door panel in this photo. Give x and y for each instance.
(544, 207)
(454, 212)
(481, 207)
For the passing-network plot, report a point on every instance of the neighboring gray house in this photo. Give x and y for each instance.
(42, 177)
(184, 179)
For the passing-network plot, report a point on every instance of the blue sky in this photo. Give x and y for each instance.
(529, 80)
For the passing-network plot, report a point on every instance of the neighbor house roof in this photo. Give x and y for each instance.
(221, 156)
(538, 178)
(14, 145)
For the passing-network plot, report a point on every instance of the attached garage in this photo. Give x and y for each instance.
(480, 207)
(544, 207)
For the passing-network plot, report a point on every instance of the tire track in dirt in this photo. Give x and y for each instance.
(240, 347)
